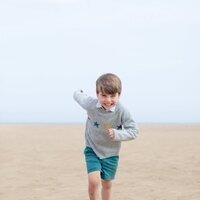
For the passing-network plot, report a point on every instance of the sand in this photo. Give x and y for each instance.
(45, 162)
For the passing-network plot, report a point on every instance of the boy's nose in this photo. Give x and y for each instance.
(108, 98)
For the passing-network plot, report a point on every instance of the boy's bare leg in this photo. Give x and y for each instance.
(94, 183)
(106, 190)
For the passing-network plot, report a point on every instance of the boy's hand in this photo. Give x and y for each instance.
(111, 133)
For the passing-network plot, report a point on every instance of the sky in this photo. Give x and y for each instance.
(50, 48)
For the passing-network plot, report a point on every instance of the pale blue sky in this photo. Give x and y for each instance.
(49, 48)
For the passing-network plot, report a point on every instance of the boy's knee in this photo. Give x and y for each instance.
(94, 181)
(107, 185)
(93, 188)
(93, 184)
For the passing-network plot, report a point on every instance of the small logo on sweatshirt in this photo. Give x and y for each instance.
(96, 124)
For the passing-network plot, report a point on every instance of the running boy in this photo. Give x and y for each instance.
(108, 124)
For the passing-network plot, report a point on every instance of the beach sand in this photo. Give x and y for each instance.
(46, 162)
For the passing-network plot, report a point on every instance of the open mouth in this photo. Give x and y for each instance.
(108, 105)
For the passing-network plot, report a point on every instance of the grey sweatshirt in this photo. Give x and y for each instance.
(98, 122)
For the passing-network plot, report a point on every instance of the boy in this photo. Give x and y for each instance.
(108, 124)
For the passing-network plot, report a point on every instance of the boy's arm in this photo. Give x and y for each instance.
(129, 129)
(82, 99)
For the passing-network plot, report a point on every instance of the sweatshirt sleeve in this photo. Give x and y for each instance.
(129, 129)
(82, 99)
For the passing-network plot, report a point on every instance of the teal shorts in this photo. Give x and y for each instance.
(106, 166)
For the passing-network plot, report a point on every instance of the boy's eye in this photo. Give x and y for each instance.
(113, 95)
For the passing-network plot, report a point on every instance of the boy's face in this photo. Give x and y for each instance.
(108, 101)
